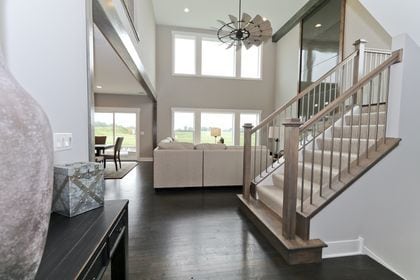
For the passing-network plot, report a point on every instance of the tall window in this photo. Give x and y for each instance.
(224, 121)
(202, 55)
(183, 126)
(251, 118)
(251, 62)
(216, 59)
(114, 123)
(184, 54)
(194, 125)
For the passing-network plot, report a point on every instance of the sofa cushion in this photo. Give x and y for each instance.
(167, 140)
(176, 146)
(208, 146)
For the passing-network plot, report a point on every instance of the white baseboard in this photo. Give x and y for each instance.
(146, 159)
(371, 254)
(343, 248)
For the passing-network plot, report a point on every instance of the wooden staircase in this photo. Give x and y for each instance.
(330, 139)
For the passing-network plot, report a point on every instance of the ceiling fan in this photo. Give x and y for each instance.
(244, 30)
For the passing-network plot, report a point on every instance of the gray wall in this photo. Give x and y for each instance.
(47, 57)
(382, 206)
(361, 24)
(201, 92)
(146, 114)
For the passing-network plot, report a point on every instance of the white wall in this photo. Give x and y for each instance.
(287, 66)
(382, 206)
(146, 115)
(45, 48)
(202, 92)
(396, 16)
(359, 24)
(146, 27)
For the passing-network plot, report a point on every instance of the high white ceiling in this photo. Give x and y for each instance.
(204, 13)
(110, 71)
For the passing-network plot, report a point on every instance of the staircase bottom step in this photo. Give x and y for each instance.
(295, 251)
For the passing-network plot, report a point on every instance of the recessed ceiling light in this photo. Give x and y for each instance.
(99, 87)
(264, 18)
(318, 25)
(186, 10)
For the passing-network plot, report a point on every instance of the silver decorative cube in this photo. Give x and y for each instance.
(78, 188)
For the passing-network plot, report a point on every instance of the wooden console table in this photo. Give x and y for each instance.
(84, 246)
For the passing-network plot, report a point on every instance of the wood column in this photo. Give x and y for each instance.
(291, 158)
(359, 65)
(247, 161)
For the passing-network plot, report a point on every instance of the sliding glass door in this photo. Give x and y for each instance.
(114, 123)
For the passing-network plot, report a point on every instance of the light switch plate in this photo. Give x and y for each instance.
(62, 141)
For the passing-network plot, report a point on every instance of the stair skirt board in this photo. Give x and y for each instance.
(295, 251)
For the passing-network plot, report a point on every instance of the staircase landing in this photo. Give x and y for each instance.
(296, 251)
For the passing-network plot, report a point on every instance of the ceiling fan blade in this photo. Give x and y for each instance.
(230, 45)
(265, 25)
(234, 20)
(246, 19)
(258, 20)
(248, 44)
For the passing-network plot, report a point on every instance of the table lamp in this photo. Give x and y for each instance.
(215, 132)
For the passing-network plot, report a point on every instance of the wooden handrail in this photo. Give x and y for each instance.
(302, 94)
(396, 57)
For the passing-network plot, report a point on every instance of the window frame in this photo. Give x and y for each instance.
(197, 120)
(185, 35)
(198, 58)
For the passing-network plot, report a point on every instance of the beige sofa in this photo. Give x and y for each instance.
(182, 168)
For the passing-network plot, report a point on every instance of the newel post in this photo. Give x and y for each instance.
(247, 161)
(291, 157)
(359, 62)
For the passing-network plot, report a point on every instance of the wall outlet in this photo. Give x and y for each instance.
(62, 141)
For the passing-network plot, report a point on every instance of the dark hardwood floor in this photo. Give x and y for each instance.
(200, 234)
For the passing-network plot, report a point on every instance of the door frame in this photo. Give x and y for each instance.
(137, 111)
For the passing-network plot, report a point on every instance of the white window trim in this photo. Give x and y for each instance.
(197, 120)
(183, 35)
(198, 52)
(124, 110)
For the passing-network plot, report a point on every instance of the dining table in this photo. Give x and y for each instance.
(100, 148)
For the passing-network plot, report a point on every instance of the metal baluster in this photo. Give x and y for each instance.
(341, 142)
(261, 158)
(303, 170)
(351, 133)
(267, 152)
(377, 110)
(313, 161)
(386, 100)
(360, 123)
(370, 102)
(332, 148)
(255, 154)
(322, 157)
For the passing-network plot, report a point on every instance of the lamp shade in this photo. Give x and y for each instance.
(215, 131)
(274, 132)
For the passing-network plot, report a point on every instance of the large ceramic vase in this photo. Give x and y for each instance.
(26, 178)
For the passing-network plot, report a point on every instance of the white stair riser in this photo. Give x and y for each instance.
(382, 108)
(365, 130)
(336, 145)
(279, 182)
(327, 158)
(366, 119)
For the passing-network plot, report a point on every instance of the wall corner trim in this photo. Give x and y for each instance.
(366, 251)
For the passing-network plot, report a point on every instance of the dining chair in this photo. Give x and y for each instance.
(100, 140)
(116, 155)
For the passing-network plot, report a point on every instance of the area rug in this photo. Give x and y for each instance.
(126, 167)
